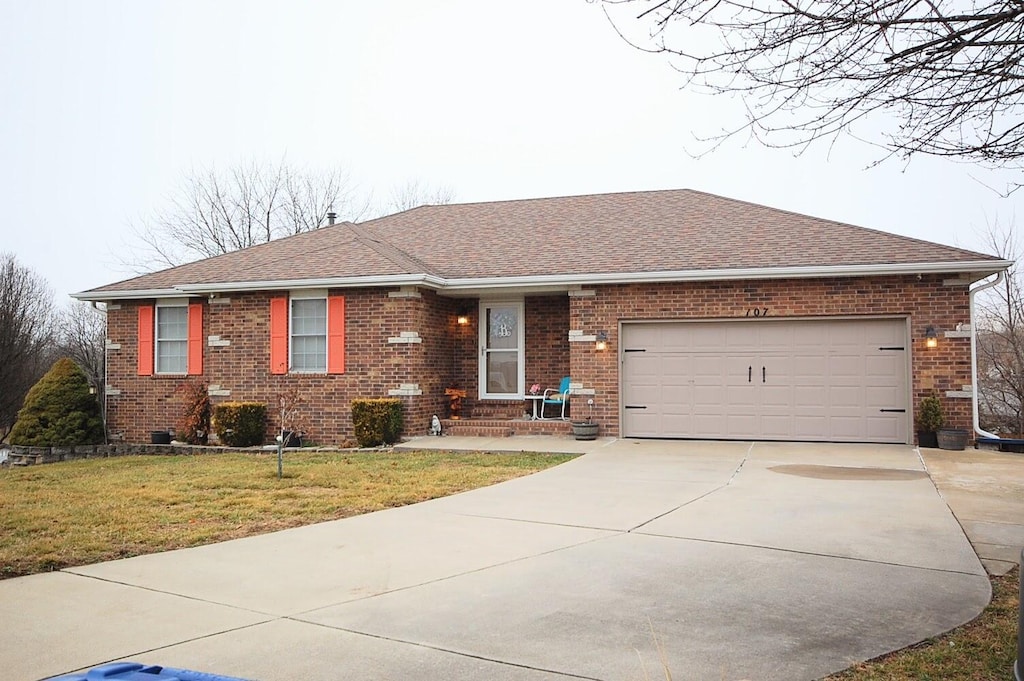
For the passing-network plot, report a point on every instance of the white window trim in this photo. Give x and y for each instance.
(168, 302)
(309, 294)
(520, 306)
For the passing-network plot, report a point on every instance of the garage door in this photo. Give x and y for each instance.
(822, 380)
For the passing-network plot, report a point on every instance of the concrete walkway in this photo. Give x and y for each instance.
(717, 560)
(985, 490)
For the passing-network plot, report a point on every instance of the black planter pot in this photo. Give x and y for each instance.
(927, 438)
(160, 437)
(294, 440)
(584, 430)
(952, 438)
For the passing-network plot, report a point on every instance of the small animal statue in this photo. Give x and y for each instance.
(435, 425)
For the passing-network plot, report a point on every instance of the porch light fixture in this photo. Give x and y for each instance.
(602, 341)
(463, 316)
(931, 340)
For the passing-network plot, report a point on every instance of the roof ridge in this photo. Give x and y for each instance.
(534, 199)
(390, 251)
(839, 223)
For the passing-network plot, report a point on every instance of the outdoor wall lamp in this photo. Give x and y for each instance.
(930, 339)
(602, 341)
(463, 316)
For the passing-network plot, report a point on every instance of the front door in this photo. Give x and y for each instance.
(501, 350)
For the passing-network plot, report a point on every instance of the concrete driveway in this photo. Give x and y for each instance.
(724, 561)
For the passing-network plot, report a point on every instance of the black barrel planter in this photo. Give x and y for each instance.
(584, 430)
(952, 438)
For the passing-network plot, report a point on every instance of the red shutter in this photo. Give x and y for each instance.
(146, 331)
(279, 335)
(336, 335)
(195, 339)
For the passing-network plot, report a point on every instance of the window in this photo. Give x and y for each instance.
(171, 339)
(307, 333)
(308, 340)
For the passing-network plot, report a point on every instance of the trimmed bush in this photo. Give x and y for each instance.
(377, 421)
(240, 424)
(194, 425)
(59, 411)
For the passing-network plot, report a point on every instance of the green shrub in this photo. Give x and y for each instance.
(929, 417)
(194, 425)
(240, 424)
(59, 411)
(377, 422)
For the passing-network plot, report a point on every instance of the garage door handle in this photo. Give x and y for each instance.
(763, 375)
(635, 350)
(894, 411)
(892, 347)
(636, 406)
(750, 374)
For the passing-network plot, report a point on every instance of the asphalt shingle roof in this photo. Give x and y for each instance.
(636, 232)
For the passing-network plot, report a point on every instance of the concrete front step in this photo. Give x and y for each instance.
(504, 427)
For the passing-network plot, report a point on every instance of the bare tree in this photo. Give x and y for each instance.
(215, 212)
(82, 336)
(1000, 342)
(26, 335)
(413, 194)
(949, 72)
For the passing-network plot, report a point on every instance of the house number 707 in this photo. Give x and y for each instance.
(757, 312)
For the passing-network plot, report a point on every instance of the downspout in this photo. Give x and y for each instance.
(974, 357)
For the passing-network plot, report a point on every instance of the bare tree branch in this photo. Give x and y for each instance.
(948, 71)
(26, 335)
(413, 194)
(215, 212)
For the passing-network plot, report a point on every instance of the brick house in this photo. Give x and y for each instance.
(679, 313)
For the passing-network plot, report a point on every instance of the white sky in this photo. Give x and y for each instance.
(106, 105)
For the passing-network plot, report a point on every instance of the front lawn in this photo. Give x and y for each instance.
(79, 512)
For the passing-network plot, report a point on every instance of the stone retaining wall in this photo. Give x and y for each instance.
(28, 456)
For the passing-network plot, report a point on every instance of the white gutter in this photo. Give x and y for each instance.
(101, 296)
(974, 356)
(554, 281)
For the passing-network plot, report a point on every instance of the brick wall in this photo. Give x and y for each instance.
(926, 302)
(547, 340)
(448, 354)
(373, 365)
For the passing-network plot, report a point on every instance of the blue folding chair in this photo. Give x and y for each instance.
(556, 398)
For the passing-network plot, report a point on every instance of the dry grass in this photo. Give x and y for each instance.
(981, 650)
(81, 512)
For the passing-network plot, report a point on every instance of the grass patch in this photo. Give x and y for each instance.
(80, 512)
(981, 650)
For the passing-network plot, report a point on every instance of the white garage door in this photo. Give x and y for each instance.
(822, 380)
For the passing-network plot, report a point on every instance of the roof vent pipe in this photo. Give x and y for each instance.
(974, 356)
(332, 217)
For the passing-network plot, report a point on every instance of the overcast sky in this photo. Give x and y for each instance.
(106, 105)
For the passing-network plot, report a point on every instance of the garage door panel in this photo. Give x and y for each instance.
(741, 425)
(809, 397)
(766, 379)
(883, 428)
(776, 398)
(883, 397)
(882, 366)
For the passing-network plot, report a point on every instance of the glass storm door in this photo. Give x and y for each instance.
(501, 350)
